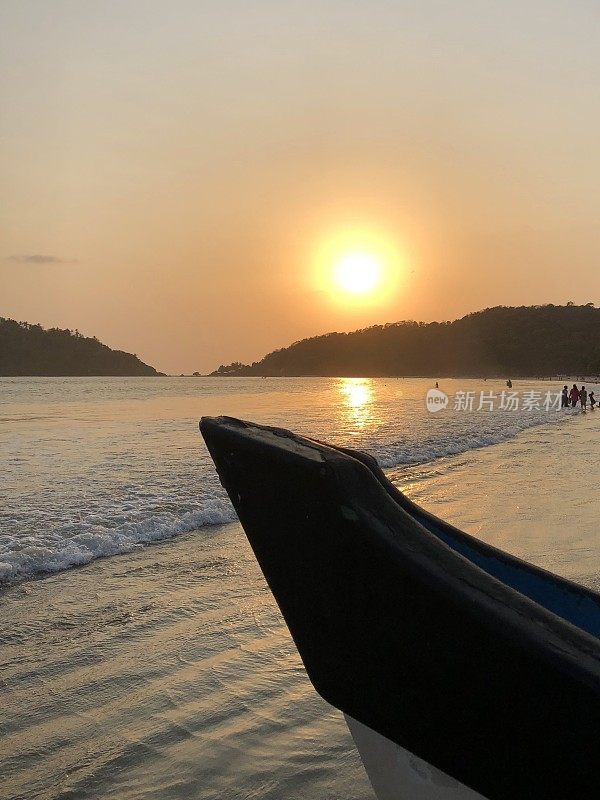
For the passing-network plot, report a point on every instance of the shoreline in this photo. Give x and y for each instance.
(164, 673)
(433, 377)
(390, 462)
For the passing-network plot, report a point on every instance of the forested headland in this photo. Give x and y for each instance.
(30, 350)
(503, 341)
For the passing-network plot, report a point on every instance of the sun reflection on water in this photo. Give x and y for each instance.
(357, 396)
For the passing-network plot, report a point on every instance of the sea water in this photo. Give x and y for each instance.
(93, 467)
(162, 668)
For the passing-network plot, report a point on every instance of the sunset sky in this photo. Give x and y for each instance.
(181, 178)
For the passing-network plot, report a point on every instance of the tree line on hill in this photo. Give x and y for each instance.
(30, 350)
(542, 341)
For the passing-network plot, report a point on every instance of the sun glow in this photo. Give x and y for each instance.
(358, 273)
(359, 267)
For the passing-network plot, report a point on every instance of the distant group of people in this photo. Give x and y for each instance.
(577, 396)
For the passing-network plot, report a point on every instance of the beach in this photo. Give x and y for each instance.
(164, 674)
(151, 661)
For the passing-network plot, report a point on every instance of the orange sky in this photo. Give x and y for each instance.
(171, 171)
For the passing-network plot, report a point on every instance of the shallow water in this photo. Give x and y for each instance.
(165, 671)
(164, 674)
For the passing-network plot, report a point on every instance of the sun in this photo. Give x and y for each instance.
(357, 268)
(358, 273)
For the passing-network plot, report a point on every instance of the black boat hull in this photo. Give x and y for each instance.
(405, 634)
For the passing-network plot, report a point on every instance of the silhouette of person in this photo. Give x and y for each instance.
(574, 395)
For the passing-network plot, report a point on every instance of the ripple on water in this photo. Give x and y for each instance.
(163, 687)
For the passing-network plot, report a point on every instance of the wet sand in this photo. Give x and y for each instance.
(535, 496)
(165, 673)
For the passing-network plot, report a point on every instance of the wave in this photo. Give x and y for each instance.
(501, 427)
(26, 556)
(53, 536)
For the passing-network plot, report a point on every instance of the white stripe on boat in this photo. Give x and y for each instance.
(396, 774)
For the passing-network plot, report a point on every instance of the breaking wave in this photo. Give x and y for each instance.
(90, 538)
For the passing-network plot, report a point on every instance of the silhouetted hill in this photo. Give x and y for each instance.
(30, 350)
(524, 341)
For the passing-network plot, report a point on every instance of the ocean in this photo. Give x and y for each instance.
(141, 653)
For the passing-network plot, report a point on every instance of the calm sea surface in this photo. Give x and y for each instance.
(165, 671)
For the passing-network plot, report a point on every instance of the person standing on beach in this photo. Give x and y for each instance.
(583, 398)
(592, 400)
(564, 400)
(574, 395)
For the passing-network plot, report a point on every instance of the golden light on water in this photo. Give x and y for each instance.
(359, 267)
(358, 396)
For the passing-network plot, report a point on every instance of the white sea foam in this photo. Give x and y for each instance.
(81, 542)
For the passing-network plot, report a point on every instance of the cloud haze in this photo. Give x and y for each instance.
(38, 258)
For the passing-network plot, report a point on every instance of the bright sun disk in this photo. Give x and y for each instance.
(358, 273)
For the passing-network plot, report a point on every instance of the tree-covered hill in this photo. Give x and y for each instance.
(30, 350)
(525, 341)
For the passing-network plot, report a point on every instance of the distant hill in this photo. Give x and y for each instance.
(30, 350)
(525, 341)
